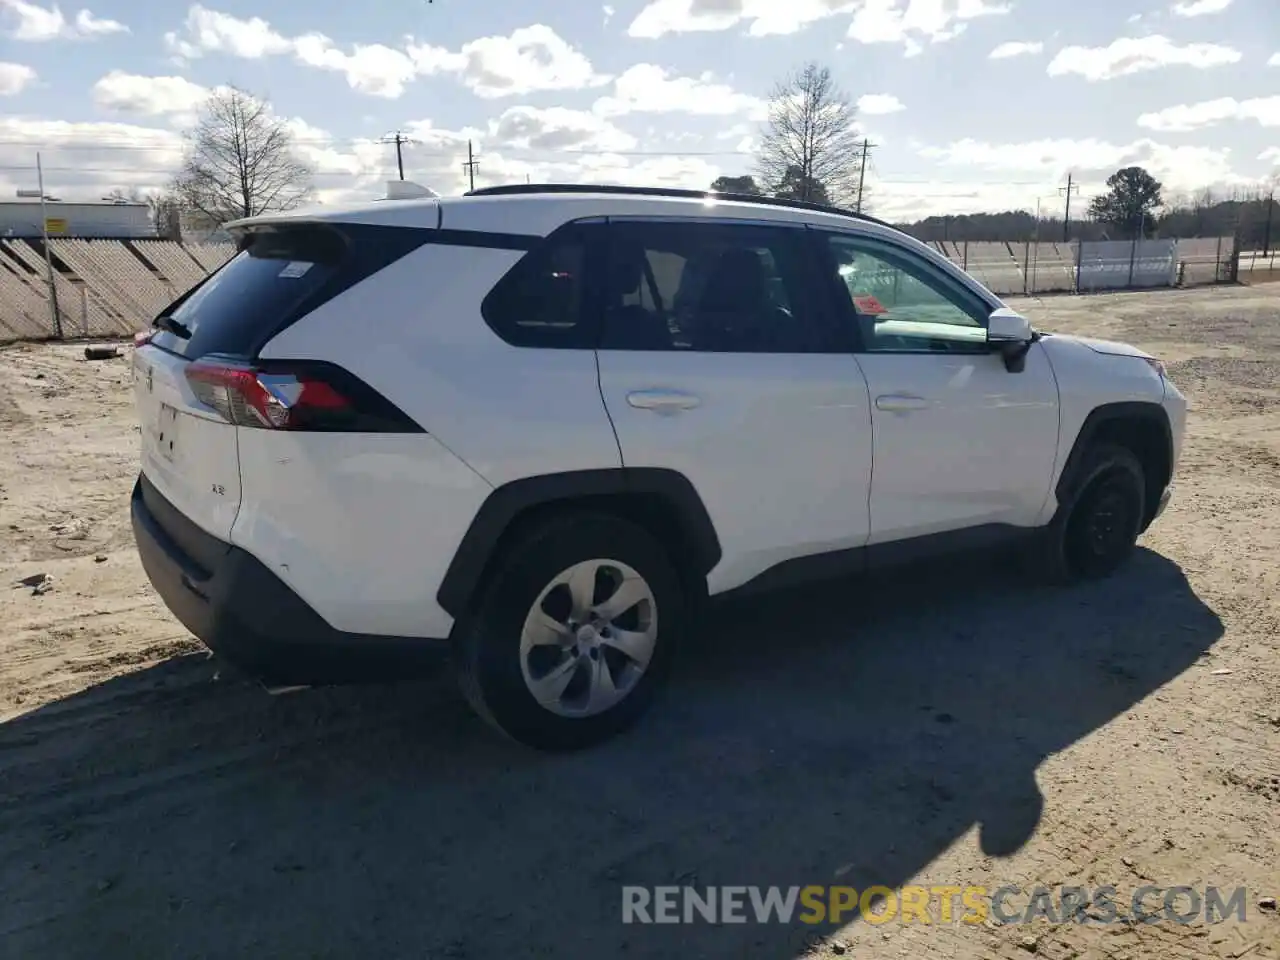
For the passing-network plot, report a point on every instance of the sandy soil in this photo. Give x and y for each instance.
(923, 730)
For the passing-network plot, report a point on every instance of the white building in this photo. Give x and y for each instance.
(120, 220)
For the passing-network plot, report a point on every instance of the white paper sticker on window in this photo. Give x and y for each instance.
(295, 269)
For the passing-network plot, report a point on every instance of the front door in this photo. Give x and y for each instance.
(960, 441)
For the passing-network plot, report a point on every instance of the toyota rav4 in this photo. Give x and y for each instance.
(539, 427)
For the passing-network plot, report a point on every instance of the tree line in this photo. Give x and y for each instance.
(241, 160)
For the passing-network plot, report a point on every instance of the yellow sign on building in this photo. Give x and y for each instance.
(55, 225)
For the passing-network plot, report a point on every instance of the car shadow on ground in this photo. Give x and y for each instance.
(844, 731)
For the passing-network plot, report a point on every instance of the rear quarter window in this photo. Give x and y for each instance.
(544, 300)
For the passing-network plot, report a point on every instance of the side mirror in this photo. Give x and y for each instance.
(1006, 326)
(1011, 334)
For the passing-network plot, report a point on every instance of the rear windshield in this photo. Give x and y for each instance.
(260, 288)
(281, 274)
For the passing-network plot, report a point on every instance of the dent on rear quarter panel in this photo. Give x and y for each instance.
(361, 526)
(415, 333)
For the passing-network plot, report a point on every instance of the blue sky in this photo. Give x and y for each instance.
(972, 104)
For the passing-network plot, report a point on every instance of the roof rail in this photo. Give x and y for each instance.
(511, 189)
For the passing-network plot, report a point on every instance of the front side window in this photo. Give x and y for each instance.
(708, 288)
(901, 303)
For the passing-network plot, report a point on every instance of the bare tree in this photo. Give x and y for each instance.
(240, 161)
(810, 148)
(164, 206)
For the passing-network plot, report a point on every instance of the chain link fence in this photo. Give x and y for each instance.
(1012, 269)
(101, 288)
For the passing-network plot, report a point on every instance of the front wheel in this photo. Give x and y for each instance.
(574, 633)
(1098, 524)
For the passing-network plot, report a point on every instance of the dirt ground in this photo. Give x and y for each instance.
(929, 729)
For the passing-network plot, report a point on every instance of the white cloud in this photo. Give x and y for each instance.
(35, 23)
(85, 160)
(912, 22)
(87, 25)
(1270, 155)
(1016, 48)
(150, 96)
(1130, 55)
(557, 128)
(1185, 117)
(908, 22)
(14, 77)
(1274, 61)
(661, 17)
(1183, 167)
(876, 104)
(608, 12)
(1199, 8)
(375, 69)
(646, 88)
(691, 172)
(208, 31)
(529, 59)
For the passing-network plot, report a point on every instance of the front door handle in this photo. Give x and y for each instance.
(663, 401)
(901, 402)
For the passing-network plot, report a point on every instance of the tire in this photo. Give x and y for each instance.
(503, 655)
(1099, 521)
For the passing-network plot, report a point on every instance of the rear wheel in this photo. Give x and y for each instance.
(574, 633)
(1099, 522)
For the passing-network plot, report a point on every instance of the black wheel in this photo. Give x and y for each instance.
(1098, 524)
(574, 632)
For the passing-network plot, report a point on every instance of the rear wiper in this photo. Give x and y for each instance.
(176, 327)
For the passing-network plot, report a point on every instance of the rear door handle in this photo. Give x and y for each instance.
(901, 402)
(663, 401)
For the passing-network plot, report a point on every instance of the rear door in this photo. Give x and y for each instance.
(718, 360)
(189, 449)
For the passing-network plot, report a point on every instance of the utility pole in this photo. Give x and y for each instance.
(48, 257)
(862, 173)
(1066, 215)
(399, 141)
(1266, 235)
(470, 165)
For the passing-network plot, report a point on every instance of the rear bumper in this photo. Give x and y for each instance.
(242, 611)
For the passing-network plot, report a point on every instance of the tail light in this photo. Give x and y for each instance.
(313, 397)
(143, 337)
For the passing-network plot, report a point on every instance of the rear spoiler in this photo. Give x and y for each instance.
(396, 190)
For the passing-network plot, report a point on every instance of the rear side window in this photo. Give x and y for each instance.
(279, 275)
(543, 301)
(709, 287)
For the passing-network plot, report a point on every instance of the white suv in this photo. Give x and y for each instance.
(538, 427)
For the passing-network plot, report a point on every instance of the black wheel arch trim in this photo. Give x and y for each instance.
(510, 501)
(1148, 410)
